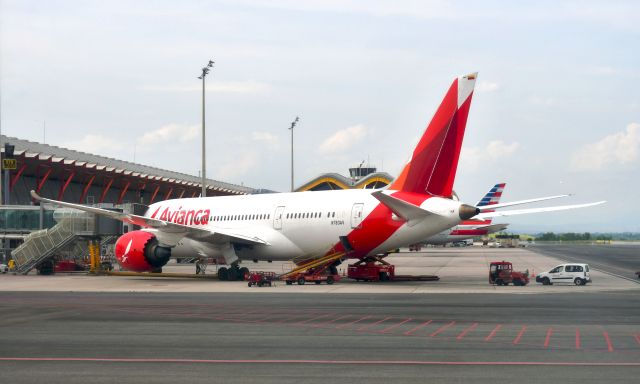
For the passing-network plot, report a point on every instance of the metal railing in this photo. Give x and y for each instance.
(40, 245)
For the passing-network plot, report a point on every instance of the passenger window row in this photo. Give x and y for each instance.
(308, 215)
(263, 216)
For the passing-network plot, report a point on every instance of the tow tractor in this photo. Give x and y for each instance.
(374, 268)
(502, 273)
(371, 269)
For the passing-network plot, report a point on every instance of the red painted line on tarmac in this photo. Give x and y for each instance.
(319, 362)
(311, 319)
(353, 322)
(248, 317)
(467, 330)
(329, 322)
(637, 337)
(442, 329)
(517, 339)
(260, 320)
(284, 320)
(394, 326)
(417, 327)
(547, 339)
(493, 332)
(364, 327)
(608, 340)
(577, 339)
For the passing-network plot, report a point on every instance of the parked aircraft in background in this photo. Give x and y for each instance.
(284, 226)
(468, 229)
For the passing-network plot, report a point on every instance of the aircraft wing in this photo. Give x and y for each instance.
(169, 232)
(491, 228)
(487, 215)
(520, 202)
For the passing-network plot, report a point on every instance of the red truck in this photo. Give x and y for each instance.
(502, 273)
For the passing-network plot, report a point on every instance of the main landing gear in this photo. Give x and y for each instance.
(233, 273)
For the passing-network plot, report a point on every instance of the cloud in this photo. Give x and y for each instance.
(343, 139)
(170, 132)
(243, 87)
(487, 86)
(93, 143)
(431, 9)
(238, 166)
(602, 71)
(475, 157)
(545, 101)
(271, 141)
(617, 149)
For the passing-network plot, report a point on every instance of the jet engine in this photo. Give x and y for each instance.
(139, 251)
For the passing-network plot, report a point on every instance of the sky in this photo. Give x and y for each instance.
(556, 107)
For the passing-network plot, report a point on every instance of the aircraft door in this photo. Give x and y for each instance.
(356, 215)
(277, 218)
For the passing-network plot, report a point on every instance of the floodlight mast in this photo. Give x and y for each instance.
(293, 125)
(205, 72)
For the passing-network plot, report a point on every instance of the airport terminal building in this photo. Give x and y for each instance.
(79, 177)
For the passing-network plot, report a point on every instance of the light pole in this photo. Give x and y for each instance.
(293, 125)
(205, 72)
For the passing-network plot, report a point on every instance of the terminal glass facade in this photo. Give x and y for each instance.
(24, 219)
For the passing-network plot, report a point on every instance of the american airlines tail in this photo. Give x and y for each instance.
(432, 168)
(491, 198)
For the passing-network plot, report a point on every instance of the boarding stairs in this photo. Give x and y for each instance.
(107, 250)
(41, 245)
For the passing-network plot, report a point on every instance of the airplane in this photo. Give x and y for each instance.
(473, 227)
(284, 226)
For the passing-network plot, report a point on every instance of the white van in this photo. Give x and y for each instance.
(577, 274)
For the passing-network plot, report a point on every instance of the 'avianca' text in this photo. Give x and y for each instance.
(183, 216)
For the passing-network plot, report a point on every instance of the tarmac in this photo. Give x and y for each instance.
(77, 328)
(461, 270)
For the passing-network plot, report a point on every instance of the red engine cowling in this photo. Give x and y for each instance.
(139, 251)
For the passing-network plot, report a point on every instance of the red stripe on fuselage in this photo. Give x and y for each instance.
(475, 222)
(468, 232)
(377, 227)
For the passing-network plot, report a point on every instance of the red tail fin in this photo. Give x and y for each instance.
(432, 168)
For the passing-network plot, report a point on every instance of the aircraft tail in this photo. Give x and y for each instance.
(432, 168)
(491, 198)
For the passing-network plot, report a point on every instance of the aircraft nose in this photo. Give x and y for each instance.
(467, 211)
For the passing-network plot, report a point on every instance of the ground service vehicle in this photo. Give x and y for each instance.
(371, 270)
(303, 278)
(261, 279)
(577, 274)
(502, 273)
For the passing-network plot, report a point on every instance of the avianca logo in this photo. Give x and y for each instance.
(182, 216)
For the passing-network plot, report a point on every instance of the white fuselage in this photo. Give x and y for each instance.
(302, 224)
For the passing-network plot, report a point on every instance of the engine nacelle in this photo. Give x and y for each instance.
(139, 251)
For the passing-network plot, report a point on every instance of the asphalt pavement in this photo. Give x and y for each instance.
(256, 338)
(105, 329)
(622, 260)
